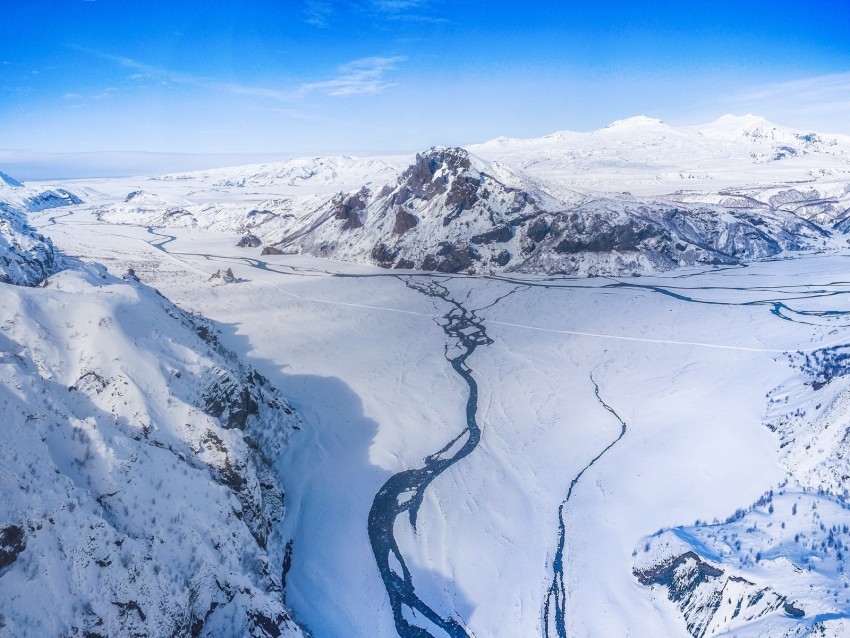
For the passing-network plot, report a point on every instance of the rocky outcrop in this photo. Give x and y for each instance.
(496, 219)
(350, 208)
(709, 598)
(249, 241)
(223, 277)
(26, 257)
(140, 495)
(404, 221)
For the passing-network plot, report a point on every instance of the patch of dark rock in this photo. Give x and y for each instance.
(501, 258)
(271, 628)
(538, 229)
(271, 250)
(129, 606)
(793, 611)
(287, 565)
(622, 238)
(224, 276)
(12, 543)
(404, 221)
(498, 235)
(383, 254)
(404, 264)
(231, 402)
(349, 207)
(257, 213)
(679, 582)
(452, 261)
(444, 248)
(249, 241)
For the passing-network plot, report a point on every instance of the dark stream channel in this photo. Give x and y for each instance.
(403, 492)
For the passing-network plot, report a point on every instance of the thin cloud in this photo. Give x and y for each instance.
(318, 13)
(813, 89)
(321, 13)
(147, 71)
(395, 6)
(365, 76)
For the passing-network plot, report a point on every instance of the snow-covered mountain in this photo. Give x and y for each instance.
(648, 157)
(638, 196)
(140, 493)
(452, 212)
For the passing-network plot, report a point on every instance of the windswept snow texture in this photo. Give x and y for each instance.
(140, 495)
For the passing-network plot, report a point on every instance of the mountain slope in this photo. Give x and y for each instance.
(139, 498)
(452, 212)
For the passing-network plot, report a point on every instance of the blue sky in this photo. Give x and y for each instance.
(321, 76)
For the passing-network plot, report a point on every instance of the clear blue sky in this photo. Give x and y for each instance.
(319, 76)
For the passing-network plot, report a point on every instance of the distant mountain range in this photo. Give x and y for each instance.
(635, 197)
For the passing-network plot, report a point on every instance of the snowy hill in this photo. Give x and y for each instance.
(137, 465)
(647, 157)
(26, 257)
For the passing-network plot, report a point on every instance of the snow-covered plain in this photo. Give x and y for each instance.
(686, 360)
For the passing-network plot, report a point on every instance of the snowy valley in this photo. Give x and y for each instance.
(586, 385)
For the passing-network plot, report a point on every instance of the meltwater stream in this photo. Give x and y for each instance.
(403, 492)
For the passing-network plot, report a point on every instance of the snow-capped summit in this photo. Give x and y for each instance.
(754, 129)
(634, 123)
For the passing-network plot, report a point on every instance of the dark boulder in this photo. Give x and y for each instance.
(538, 229)
(498, 235)
(501, 258)
(349, 207)
(249, 241)
(404, 221)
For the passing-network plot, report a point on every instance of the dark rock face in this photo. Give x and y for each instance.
(702, 593)
(498, 235)
(383, 255)
(225, 276)
(697, 572)
(441, 171)
(349, 208)
(453, 260)
(501, 258)
(12, 543)
(404, 221)
(625, 237)
(537, 230)
(249, 241)
(52, 199)
(793, 611)
(271, 250)
(26, 257)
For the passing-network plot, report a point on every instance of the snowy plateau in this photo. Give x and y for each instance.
(586, 385)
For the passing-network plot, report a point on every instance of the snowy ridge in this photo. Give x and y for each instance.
(26, 257)
(645, 156)
(140, 498)
(794, 537)
(308, 173)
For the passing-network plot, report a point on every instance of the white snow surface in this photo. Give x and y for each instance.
(688, 361)
(731, 379)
